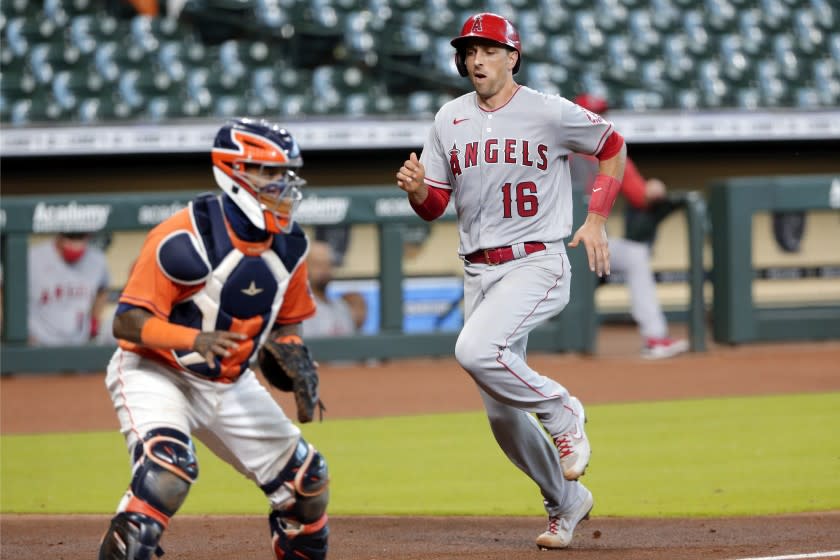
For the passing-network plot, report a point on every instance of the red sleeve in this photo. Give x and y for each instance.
(434, 205)
(298, 303)
(633, 185)
(611, 147)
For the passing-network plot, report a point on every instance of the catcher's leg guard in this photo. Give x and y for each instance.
(299, 497)
(131, 536)
(164, 468)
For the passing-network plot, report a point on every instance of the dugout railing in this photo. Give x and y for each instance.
(574, 330)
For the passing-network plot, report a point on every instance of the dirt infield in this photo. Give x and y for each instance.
(41, 404)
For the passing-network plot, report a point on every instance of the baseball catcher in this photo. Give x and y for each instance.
(287, 364)
(211, 284)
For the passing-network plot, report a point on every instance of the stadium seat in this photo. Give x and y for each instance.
(38, 109)
(748, 98)
(296, 105)
(588, 40)
(611, 15)
(770, 85)
(825, 14)
(623, 64)
(547, 77)
(826, 82)
(834, 51)
(694, 27)
(809, 37)
(643, 38)
(712, 87)
(750, 31)
(664, 16)
(16, 43)
(807, 98)
(534, 39)
(104, 108)
(642, 100)
(422, 104)
(733, 60)
(554, 17)
(161, 108)
(775, 14)
(721, 15)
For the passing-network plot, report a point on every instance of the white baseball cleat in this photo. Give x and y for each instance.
(659, 348)
(573, 446)
(561, 529)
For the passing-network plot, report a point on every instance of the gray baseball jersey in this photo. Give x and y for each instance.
(508, 168)
(61, 295)
(508, 171)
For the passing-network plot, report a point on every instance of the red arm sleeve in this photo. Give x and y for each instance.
(611, 146)
(633, 185)
(434, 205)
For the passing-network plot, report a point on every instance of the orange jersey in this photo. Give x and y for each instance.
(194, 271)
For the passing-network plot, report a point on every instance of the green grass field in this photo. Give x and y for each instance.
(711, 457)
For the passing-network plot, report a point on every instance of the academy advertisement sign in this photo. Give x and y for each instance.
(70, 217)
(318, 210)
(153, 214)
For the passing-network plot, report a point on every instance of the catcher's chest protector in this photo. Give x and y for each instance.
(238, 288)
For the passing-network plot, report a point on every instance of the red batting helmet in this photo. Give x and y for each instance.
(486, 26)
(592, 102)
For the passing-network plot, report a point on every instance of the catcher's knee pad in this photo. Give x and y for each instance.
(165, 467)
(131, 536)
(299, 497)
(300, 491)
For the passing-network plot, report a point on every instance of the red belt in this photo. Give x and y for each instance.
(499, 255)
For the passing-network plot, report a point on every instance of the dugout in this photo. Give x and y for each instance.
(785, 297)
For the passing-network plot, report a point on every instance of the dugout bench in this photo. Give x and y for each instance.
(574, 330)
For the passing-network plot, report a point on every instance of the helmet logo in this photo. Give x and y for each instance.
(476, 26)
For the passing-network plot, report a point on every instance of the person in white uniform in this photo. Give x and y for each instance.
(501, 153)
(68, 290)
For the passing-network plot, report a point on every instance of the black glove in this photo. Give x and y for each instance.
(290, 368)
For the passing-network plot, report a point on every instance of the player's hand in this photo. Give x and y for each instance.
(217, 343)
(593, 233)
(411, 178)
(654, 190)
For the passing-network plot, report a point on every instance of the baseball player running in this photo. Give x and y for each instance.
(213, 284)
(501, 152)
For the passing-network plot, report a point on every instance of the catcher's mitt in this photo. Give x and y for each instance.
(290, 368)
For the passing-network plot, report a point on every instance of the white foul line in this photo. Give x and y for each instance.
(830, 554)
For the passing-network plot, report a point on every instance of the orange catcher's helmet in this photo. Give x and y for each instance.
(255, 162)
(489, 26)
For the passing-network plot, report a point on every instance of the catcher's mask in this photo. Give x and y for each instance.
(255, 163)
(489, 26)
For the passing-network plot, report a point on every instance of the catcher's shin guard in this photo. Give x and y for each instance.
(299, 497)
(164, 468)
(131, 536)
(296, 541)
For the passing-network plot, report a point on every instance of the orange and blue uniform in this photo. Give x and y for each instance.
(199, 270)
